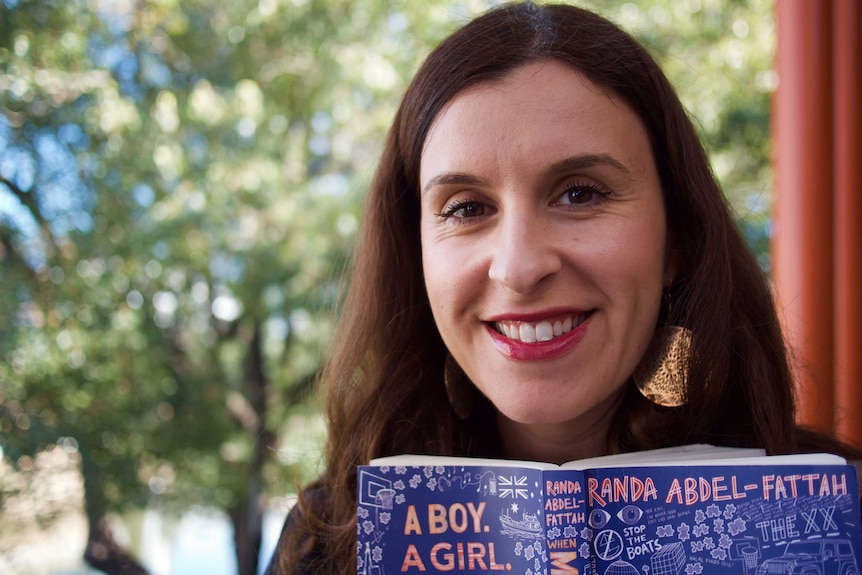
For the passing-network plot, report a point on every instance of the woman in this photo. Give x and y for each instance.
(542, 214)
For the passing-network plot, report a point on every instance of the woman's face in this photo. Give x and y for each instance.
(543, 242)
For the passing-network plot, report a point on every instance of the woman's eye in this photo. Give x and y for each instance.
(463, 209)
(582, 195)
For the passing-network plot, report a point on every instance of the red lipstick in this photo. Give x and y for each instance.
(537, 351)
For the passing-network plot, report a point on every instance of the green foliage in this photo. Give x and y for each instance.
(177, 178)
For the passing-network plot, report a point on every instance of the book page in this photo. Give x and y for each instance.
(695, 454)
(422, 460)
(459, 518)
(679, 454)
(743, 516)
(694, 451)
(719, 459)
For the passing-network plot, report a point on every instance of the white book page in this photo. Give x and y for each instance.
(749, 460)
(422, 460)
(674, 455)
(682, 456)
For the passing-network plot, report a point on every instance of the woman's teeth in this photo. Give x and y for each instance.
(546, 330)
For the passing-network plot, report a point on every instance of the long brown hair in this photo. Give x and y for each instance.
(385, 376)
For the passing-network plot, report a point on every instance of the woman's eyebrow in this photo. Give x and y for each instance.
(587, 161)
(578, 162)
(450, 178)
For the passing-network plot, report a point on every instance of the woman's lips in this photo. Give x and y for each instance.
(544, 339)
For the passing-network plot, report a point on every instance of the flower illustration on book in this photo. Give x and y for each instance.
(736, 526)
(729, 511)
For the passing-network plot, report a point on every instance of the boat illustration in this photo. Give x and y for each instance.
(528, 526)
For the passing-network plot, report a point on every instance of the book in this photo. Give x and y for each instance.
(693, 510)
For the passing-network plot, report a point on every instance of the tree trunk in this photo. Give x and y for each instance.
(247, 517)
(247, 538)
(102, 551)
(104, 554)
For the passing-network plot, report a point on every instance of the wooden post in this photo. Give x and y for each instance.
(847, 105)
(803, 240)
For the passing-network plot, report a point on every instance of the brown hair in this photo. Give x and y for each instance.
(385, 375)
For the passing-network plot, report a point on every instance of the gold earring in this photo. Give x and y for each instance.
(662, 373)
(459, 389)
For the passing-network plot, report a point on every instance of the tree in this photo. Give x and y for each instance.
(179, 188)
(181, 210)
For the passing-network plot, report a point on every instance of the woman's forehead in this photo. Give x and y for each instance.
(541, 110)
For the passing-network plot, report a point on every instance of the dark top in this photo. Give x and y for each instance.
(306, 567)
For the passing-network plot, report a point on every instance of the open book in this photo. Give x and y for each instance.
(693, 510)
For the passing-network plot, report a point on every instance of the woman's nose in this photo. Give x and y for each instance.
(524, 255)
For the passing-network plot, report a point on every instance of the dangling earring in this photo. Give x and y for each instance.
(662, 373)
(459, 389)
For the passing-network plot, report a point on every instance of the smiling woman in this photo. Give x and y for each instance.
(542, 217)
(543, 189)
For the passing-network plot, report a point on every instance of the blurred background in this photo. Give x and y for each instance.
(180, 185)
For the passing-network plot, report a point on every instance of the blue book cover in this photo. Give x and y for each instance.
(790, 515)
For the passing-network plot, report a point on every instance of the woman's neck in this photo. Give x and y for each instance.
(558, 443)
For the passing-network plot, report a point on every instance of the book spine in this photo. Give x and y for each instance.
(567, 533)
